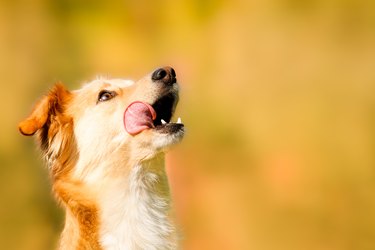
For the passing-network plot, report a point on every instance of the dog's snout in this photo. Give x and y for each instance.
(166, 75)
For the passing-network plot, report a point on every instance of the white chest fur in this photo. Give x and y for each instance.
(135, 211)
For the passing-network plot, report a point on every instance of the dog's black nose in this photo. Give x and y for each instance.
(166, 75)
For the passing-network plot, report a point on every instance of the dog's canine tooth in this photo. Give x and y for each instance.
(179, 120)
(163, 122)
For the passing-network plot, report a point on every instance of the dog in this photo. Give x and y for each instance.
(104, 145)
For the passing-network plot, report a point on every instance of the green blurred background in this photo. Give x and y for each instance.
(277, 96)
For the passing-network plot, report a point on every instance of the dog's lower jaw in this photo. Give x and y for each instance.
(134, 210)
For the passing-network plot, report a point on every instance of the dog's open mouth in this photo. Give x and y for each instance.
(139, 116)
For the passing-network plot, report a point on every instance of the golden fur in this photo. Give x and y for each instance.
(99, 171)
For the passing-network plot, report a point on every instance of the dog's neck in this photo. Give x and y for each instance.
(132, 210)
(135, 212)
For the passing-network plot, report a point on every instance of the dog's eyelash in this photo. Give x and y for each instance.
(106, 95)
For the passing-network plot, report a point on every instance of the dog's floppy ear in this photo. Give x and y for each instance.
(50, 105)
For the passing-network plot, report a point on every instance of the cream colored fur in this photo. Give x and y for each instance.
(125, 174)
(115, 190)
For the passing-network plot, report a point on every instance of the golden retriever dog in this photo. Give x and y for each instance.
(104, 145)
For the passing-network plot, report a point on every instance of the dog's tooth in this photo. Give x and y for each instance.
(163, 122)
(179, 120)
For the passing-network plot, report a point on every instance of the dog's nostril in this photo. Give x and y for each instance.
(166, 75)
(159, 74)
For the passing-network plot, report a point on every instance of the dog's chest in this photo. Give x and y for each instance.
(135, 213)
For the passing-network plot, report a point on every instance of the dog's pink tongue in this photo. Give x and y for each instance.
(138, 116)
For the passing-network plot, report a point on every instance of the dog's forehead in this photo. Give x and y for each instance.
(120, 83)
(99, 84)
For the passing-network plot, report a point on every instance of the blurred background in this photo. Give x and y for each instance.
(277, 97)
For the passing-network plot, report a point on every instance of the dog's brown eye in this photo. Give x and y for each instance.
(106, 95)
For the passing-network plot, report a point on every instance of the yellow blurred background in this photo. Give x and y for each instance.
(277, 97)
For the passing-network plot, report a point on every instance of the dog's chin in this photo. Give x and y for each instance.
(166, 136)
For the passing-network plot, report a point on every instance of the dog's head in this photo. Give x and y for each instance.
(107, 121)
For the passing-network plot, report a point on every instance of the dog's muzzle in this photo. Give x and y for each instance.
(139, 115)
